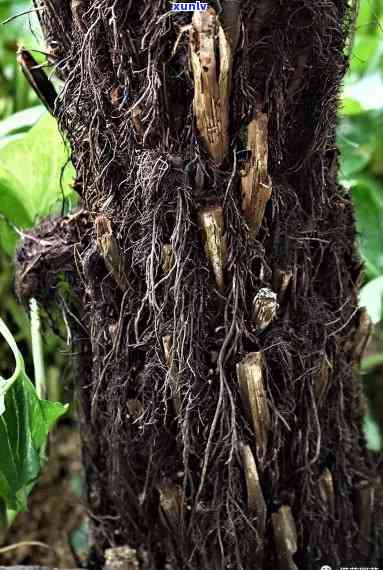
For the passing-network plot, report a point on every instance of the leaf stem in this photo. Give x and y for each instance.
(37, 351)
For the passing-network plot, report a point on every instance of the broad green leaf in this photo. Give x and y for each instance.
(12, 208)
(8, 138)
(371, 297)
(25, 421)
(367, 193)
(20, 121)
(30, 173)
(43, 155)
(356, 139)
(350, 107)
(368, 13)
(365, 47)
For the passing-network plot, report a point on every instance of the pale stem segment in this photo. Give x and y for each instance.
(212, 89)
(212, 223)
(256, 183)
(285, 537)
(254, 398)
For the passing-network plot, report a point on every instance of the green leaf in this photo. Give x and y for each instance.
(350, 107)
(25, 421)
(20, 121)
(12, 208)
(30, 173)
(42, 154)
(371, 297)
(365, 47)
(367, 193)
(357, 140)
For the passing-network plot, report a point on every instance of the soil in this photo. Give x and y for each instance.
(55, 509)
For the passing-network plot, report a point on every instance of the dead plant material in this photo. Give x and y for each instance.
(212, 81)
(121, 558)
(365, 509)
(212, 223)
(167, 343)
(326, 489)
(37, 79)
(110, 251)
(231, 22)
(255, 500)
(363, 334)
(167, 258)
(171, 501)
(46, 259)
(254, 398)
(256, 183)
(265, 307)
(285, 536)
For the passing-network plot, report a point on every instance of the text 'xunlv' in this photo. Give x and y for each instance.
(189, 7)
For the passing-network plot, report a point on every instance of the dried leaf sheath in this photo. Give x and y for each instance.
(265, 306)
(326, 489)
(255, 500)
(110, 251)
(37, 79)
(212, 93)
(253, 393)
(172, 372)
(167, 258)
(121, 558)
(256, 184)
(211, 220)
(285, 536)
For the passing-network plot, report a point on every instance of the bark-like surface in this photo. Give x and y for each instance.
(214, 282)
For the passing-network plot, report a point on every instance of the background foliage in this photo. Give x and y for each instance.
(33, 183)
(360, 139)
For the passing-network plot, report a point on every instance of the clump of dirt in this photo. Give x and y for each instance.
(55, 508)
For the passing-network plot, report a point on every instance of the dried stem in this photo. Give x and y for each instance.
(254, 398)
(110, 251)
(265, 308)
(211, 93)
(212, 223)
(172, 373)
(255, 500)
(326, 488)
(285, 536)
(167, 258)
(121, 558)
(256, 184)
